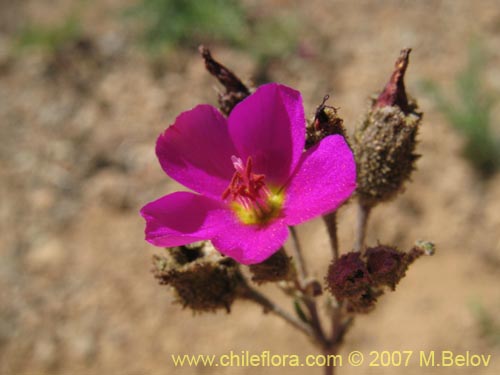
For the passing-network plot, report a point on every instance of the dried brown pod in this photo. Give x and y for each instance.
(278, 267)
(384, 143)
(236, 90)
(204, 280)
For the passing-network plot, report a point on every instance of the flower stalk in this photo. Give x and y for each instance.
(254, 295)
(298, 258)
(331, 225)
(362, 226)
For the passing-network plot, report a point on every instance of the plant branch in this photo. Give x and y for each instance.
(302, 285)
(363, 215)
(269, 306)
(315, 320)
(299, 259)
(331, 224)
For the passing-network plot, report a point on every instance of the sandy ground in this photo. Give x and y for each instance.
(77, 163)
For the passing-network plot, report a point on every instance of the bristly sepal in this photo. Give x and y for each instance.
(277, 267)
(204, 281)
(385, 141)
(359, 279)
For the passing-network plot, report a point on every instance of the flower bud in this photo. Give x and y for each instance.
(204, 280)
(365, 302)
(384, 143)
(359, 279)
(349, 280)
(348, 277)
(236, 91)
(326, 122)
(386, 265)
(275, 268)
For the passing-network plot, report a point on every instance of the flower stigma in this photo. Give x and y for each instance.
(250, 198)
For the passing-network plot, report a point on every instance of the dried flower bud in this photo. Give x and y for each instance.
(360, 279)
(348, 277)
(394, 93)
(275, 268)
(384, 143)
(326, 122)
(236, 91)
(203, 279)
(386, 265)
(365, 302)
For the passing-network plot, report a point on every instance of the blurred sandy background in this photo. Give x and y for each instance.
(80, 110)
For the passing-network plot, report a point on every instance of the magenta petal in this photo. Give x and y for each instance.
(250, 244)
(196, 151)
(325, 178)
(269, 126)
(180, 218)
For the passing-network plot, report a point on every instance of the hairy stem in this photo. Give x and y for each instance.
(331, 225)
(268, 305)
(338, 333)
(302, 285)
(299, 259)
(336, 313)
(339, 325)
(315, 320)
(363, 215)
(328, 370)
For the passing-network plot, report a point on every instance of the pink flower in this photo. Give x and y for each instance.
(250, 172)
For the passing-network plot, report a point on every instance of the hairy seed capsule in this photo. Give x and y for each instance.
(359, 279)
(204, 281)
(387, 265)
(384, 143)
(348, 276)
(275, 268)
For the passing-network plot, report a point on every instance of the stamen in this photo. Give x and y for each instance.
(238, 163)
(252, 199)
